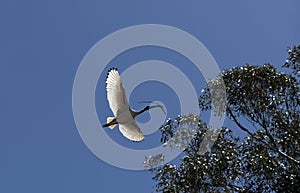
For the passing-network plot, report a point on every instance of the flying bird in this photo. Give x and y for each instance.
(123, 114)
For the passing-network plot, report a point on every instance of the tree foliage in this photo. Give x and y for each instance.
(293, 61)
(267, 159)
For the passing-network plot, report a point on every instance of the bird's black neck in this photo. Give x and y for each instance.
(134, 114)
(145, 109)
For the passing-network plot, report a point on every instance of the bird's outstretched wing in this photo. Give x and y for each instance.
(131, 131)
(115, 92)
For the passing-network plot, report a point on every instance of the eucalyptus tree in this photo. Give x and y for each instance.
(264, 104)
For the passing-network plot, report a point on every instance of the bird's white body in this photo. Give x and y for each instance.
(124, 116)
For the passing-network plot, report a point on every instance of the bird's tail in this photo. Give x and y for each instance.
(108, 120)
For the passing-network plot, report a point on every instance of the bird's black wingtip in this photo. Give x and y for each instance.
(113, 68)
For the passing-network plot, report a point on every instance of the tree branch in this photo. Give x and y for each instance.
(251, 134)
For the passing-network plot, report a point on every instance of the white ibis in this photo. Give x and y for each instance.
(124, 115)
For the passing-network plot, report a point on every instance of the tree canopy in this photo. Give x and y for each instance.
(267, 159)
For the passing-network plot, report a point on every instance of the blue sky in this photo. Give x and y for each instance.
(42, 45)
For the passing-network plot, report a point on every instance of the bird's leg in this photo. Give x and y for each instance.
(112, 122)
